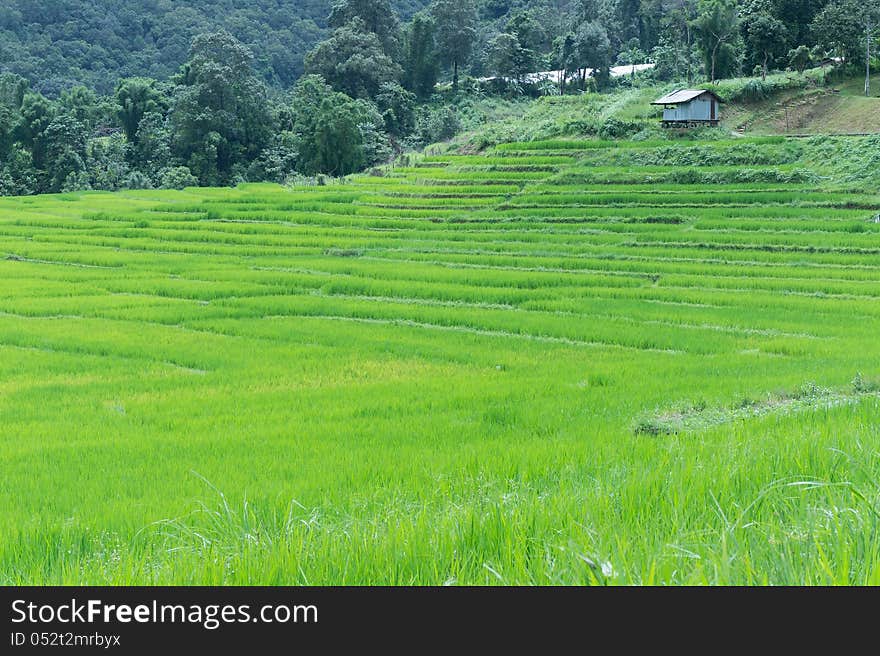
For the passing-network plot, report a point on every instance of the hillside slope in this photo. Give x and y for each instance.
(784, 104)
(835, 109)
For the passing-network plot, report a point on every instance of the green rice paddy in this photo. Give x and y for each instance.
(556, 363)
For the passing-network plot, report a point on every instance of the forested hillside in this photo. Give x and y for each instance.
(61, 43)
(57, 44)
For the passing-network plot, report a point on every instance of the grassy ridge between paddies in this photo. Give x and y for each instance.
(612, 363)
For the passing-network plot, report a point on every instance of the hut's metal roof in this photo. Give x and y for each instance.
(681, 96)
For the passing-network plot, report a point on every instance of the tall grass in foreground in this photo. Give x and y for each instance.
(663, 523)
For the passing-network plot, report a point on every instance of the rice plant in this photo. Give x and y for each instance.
(559, 362)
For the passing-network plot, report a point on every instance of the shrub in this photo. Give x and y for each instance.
(277, 161)
(435, 125)
(862, 386)
(177, 177)
(137, 180)
(613, 128)
(343, 252)
(648, 426)
(77, 181)
(658, 425)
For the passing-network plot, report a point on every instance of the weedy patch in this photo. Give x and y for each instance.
(343, 252)
(861, 385)
(690, 417)
(226, 528)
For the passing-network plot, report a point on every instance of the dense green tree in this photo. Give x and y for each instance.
(220, 120)
(18, 176)
(150, 152)
(337, 139)
(716, 29)
(584, 11)
(799, 58)
(586, 51)
(765, 36)
(594, 50)
(12, 90)
(631, 53)
(848, 28)
(106, 162)
(435, 124)
(77, 180)
(332, 132)
(36, 114)
(210, 159)
(352, 61)
(397, 106)
(326, 129)
(65, 150)
(675, 59)
(8, 124)
(308, 94)
(676, 55)
(494, 10)
(177, 177)
(565, 54)
(83, 104)
(456, 22)
(508, 58)
(137, 180)
(501, 56)
(135, 97)
(420, 56)
(277, 161)
(531, 32)
(377, 16)
(797, 16)
(838, 29)
(377, 147)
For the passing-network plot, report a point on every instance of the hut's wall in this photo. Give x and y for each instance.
(698, 109)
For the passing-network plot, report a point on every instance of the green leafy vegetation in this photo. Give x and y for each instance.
(556, 362)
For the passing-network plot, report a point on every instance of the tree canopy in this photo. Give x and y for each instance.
(353, 61)
(57, 44)
(220, 117)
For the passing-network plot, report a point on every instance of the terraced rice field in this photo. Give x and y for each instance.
(558, 362)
